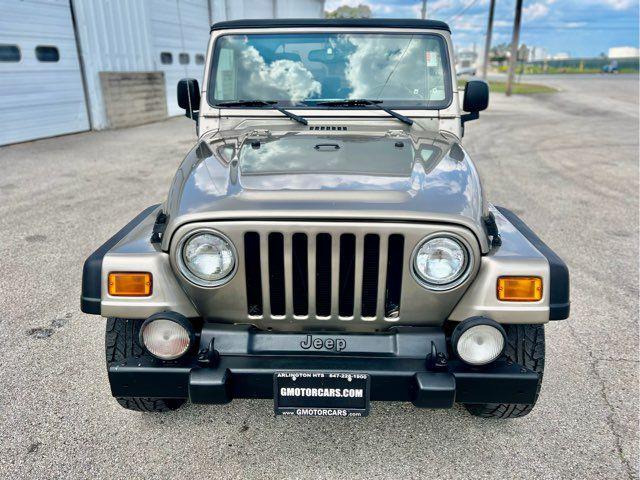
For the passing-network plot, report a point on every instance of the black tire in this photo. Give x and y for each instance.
(121, 342)
(525, 346)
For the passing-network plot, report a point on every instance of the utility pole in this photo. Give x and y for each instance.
(487, 43)
(424, 9)
(513, 59)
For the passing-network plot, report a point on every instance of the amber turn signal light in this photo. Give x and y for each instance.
(519, 289)
(129, 284)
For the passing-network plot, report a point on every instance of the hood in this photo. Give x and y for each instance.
(327, 172)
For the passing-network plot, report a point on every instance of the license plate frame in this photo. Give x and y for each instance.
(321, 394)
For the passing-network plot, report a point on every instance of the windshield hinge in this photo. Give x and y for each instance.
(492, 229)
(159, 227)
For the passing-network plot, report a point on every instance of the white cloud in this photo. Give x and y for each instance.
(539, 9)
(470, 23)
(535, 11)
(616, 4)
(438, 5)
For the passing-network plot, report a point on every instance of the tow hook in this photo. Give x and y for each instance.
(436, 361)
(209, 355)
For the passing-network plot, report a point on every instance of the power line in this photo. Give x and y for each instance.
(463, 11)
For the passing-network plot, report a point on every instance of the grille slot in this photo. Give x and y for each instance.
(394, 276)
(300, 274)
(323, 275)
(347, 272)
(334, 276)
(253, 273)
(276, 273)
(371, 260)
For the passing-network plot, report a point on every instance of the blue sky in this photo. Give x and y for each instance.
(582, 28)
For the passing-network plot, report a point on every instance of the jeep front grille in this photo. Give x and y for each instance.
(323, 275)
(297, 275)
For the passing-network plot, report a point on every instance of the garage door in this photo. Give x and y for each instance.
(41, 91)
(180, 31)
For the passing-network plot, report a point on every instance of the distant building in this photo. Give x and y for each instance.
(624, 52)
(561, 56)
(73, 65)
(538, 54)
(466, 62)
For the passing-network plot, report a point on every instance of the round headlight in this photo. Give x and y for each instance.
(207, 258)
(166, 336)
(440, 261)
(478, 341)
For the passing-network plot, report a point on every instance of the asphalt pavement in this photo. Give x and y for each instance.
(567, 163)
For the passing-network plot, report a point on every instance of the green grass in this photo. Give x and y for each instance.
(518, 88)
(521, 88)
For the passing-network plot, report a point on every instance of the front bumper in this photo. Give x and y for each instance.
(240, 362)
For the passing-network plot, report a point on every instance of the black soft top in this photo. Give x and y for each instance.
(333, 22)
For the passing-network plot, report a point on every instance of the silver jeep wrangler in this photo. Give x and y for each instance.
(327, 241)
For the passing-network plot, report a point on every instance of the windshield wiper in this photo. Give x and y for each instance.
(363, 102)
(263, 103)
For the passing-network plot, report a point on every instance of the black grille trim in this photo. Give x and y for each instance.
(276, 274)
(253, 273)
(323, 275)
(394, 276)
(300, 274)
(370, 268)
(356, 274)
(347, 274)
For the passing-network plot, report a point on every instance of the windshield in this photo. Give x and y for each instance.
(402, 70)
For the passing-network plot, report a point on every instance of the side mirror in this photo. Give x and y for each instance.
(476, 99)
(189, 97)
(476, 96)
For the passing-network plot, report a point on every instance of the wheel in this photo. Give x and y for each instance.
(121, 341)
(525, 346)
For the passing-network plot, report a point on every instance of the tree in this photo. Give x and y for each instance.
(361, 11)
(499, 53)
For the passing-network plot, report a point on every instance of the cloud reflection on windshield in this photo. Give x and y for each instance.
(279, 79)
(378, 66)
(405, 68)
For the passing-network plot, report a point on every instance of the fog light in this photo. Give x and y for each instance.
(166, 336)
(478, 340)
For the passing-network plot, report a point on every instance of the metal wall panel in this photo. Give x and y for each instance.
(39, 99)
(237, 9)
(299, 8)
(178, 27)
(114, 36)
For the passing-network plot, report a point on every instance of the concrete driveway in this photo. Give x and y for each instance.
(567, 163)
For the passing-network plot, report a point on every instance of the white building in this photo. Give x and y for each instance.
(538, 54)
(624, 52)
(466, 62)
(73, 65)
